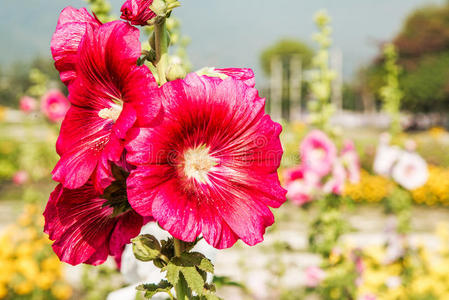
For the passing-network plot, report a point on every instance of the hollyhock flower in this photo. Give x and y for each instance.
(301, 185)
(54, 105)
(351, 161)
(71, 27)
(211, 168)
(20, 177)
(336, 183)
(318, 152)
(86, 227)
(27, 104)
(110, 95)
(411, 171)
(137, 12)
(314, 276)
(386, 157)
(246, 75)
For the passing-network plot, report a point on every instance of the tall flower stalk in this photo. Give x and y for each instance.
(320, 108)
(391, 93)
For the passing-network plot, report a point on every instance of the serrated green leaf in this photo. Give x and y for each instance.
(194, 280)
(152, 289)
(212, 297)
(172, 273)
(206, 265)
(190, 259)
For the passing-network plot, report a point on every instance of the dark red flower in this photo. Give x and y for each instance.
(86, 228)
(137, 12)
(110, 95)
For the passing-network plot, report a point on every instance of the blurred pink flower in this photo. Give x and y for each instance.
(20, 177)
(54, 105)
(314, 276)
(351, 161)
(318, 153)
(368, 297)
(27, 104)
(336, 183)
(301, 184)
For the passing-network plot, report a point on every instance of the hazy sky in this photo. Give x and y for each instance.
(228, 33)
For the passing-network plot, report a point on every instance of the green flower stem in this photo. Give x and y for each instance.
(161, 41)
(182, 291)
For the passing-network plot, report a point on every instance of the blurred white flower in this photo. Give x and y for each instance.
(386, 157)
(411, 171)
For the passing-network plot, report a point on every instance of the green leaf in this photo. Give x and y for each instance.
(146, 247)
(194, 280)
(152, 289)
(172, 273)
(206, 265)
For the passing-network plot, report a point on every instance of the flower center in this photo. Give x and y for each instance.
(198, 163)
(113, 112)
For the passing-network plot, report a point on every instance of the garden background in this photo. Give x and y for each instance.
(382, 240)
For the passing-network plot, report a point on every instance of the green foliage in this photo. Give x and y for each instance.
(102, 9)
(151, 289)
(286, 49)
(189, 269)
(17, 79)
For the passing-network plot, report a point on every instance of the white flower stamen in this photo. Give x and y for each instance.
(113, 112)
(198, 163)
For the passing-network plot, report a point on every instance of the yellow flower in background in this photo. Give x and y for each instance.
(437, 132)
(62, 291)
(28, 266)
(371, 188)
(24, 287)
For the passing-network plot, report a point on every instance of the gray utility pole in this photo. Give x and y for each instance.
(276, 88)
(296, 86)
(337, 83)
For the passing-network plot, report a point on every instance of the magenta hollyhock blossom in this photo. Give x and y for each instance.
(301, 184)
(210, 168)
(54, 105)
(110, 95)
(27, 104)
(318, 153)
(244, 74)
(71, 27)
(351, 161)
(137, 12)
(85, 228)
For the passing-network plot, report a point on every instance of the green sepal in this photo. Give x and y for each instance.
(146, 247)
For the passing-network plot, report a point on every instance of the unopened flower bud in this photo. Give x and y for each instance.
(176, 71)
(159, 7)
(146, 247)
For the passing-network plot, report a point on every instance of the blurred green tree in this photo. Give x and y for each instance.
(423, 49)
(286, 49)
